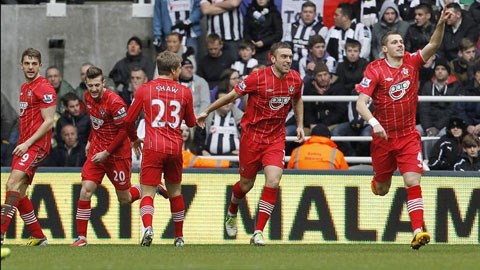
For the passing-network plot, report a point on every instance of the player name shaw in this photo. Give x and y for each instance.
(166, 88)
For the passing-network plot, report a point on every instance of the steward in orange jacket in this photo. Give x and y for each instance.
(318, 153)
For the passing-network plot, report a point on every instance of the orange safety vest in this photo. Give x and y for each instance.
(317, 153)
(191, 160)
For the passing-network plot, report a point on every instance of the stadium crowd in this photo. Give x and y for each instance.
(331, 59)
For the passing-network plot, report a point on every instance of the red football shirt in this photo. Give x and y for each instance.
(106, 119)
(269, 101)
(166, 104)
(35, 96)
(394, 92)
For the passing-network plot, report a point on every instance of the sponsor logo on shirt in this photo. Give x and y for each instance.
(365, 82)
(276, 103)
(96, 122)
(23, 107)
(397, 91)
(120, 114)
(48, 98)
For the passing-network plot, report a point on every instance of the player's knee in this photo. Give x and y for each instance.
(382, 192)
(13, 184)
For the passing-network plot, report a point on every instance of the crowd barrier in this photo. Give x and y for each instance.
(312, 208)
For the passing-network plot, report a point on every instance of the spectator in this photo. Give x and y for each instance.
(137, 78)
(316, 54)
(9, 131)
(221, 135)
(120, 73)
(448, 149)
(463, 65)
(82, 88)
(246, 50)
(224, 19)
(458, 27)
(318, 153)
(61, 86)
(469, 160)
(75, 115)
(198, 85)
(327, 113)
(215, 62)
(390, 20)
(228, 79)
(301, 30)
(350, 71)
(69, 154)
(346, 28)
(190, 160)
(175, 45)
(474, 11)
(419, 33)
(366, 11)
(434, 116)
(182, 17)
(262, 27)
(470, 111)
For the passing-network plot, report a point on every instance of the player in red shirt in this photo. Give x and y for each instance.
(108, 149)
(271, 93)
(392, 83)
(37, 110)
(166, 104)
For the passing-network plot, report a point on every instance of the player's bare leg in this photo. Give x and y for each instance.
(130, 195)
(381, 188)
(415, 209)
(240, 189)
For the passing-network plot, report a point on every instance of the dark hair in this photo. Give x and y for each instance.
(136, 39)
(353, 43)
(389, 33)
(31, 52)
(279, 45)
(245, 44)
(137, 68)
(425, 7)
(455, 6)
(70, 96)
(221, 91)
(224, 82)
(346, 9)
(309, 4)
(315, 39)
(166, 61)
(93, 72)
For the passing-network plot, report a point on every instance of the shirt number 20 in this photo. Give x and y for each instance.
(159, 120)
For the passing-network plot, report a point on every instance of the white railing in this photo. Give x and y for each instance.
(350, 159)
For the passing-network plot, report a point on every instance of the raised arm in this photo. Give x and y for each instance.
(437, 36)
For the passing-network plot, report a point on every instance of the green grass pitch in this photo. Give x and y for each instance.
(229, 257)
